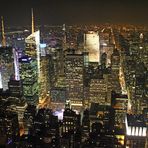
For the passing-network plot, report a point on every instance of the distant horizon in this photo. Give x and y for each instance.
(60, 24)
(54, 12)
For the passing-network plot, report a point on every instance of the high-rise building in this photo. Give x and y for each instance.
(44, 76)
(115, 59)
(15, 88)
(74, 64)
(98, 91)
(9, 67)
(33, 50)
(92, 45)
(6, 66)
(119, 102)
(70, 120)
(29, 77)
(115, 67)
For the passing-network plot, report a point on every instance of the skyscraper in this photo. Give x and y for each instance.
(33, 51)
(3, 33)
(9, 67)
(92, 45)
(33, 47)
(98, 91)
(6, 66)
(74, 66)
(29, 77)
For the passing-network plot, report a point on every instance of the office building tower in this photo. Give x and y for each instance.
(115, 59)
(92, 45)
(120, 103)
(14, 84)
(74, 64)
(70, 121)
(33, 50)
(60, 61)
(115, 67)
(15, 88)
(6, 66)
(29, 77)
(98, 91)
(9, 67)
(44, 76)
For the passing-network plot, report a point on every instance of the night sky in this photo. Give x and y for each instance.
(53, 12)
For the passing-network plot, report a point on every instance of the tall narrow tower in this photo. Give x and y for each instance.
(32, 21)
(64, 36)
(3, 33)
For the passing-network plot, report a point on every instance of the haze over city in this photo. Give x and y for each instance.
(17, 12)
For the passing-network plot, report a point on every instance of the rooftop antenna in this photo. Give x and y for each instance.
(32, 20)
(3, 33)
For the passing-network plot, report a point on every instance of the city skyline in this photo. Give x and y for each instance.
(74, 12)
(74, 74)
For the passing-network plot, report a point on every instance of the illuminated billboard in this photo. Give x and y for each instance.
(92, 45)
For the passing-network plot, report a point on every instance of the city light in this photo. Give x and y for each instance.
(80, 84)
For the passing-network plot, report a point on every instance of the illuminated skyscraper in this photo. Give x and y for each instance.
(32, 25)
(119, 102)
(74, 65)
(92, 45)
(33, 47)
(29, 77)
(7, 69)
(44, 69)
(98, 91)
(115, 66)
(33, 50)
(3, 33)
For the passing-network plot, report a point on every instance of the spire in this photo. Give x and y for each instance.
(64, 27)
(32, 20)
(64, 37)
(3, 32)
